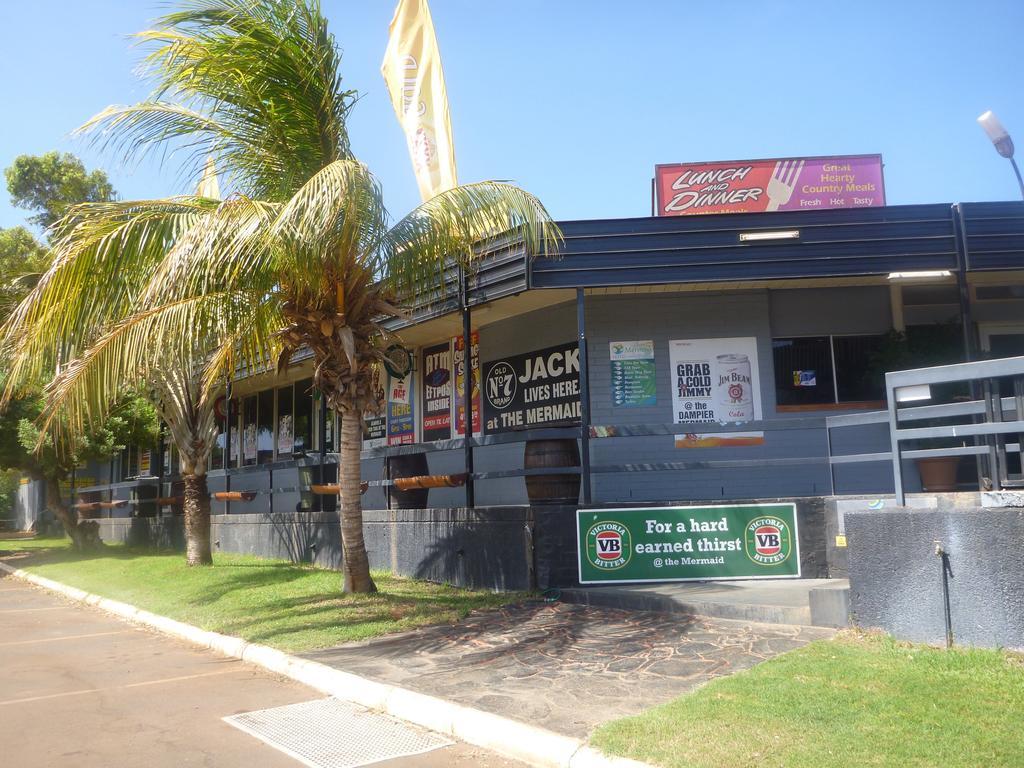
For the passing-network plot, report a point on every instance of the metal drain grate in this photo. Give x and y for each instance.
(328, 733)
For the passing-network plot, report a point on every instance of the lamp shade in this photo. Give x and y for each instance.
(999, 136)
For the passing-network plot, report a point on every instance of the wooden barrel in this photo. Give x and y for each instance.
(407, 465)
(552, 489)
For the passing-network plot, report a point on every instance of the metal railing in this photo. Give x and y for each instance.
(991, 419)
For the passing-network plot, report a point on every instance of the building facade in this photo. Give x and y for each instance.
(626, 342)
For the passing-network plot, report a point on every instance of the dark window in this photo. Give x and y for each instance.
(803, 371)
(303, 425)
(823, 370)
(856, 377)
(265, 427)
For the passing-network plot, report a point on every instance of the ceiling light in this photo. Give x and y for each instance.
(777, 234)
(922, 273)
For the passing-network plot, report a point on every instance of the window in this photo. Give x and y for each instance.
(265, 427)
(249, 431)
(303, 424)
(825, 370)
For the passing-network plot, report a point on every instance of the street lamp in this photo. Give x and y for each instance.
(1002, 141)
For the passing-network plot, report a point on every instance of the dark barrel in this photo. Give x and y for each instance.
(407, 465)
(552, 489)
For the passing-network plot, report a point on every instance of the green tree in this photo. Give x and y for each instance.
(50, 184)
(23, 260)
(302, 254)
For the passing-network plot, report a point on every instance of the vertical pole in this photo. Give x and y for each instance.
(1016, 170)
(323, 448)
(966, 321)
(581, 327)
(894, 443)
(963, 290)
(828, 457)
(467, 385)
(228, 456)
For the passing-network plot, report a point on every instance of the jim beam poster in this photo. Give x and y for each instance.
(532, 390)
(437, 392)
(715, 381)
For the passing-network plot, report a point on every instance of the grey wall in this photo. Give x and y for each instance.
(483, 548)
(823, 311)
(499, 548)
(896, 581)
(763, 315)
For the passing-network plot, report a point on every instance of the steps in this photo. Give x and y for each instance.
(804, 602)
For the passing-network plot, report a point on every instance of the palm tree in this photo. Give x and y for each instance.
(106, 254)
(302, 254)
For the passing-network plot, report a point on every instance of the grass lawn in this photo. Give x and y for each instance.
(291, 607)
(857, 700)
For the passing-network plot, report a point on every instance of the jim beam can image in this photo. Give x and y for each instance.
(734, 394)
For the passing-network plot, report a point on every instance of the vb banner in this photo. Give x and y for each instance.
(744, 541)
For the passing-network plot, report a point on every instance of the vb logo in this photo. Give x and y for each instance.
(768, 541)
(607, 545)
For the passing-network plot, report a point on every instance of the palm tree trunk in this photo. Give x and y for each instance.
(67, 516)
(356, 564)
(197, 521)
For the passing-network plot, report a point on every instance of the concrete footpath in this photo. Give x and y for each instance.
(81, 688)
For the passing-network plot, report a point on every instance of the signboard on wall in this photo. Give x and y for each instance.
(459, 364)
(401, 424)
(715, 381)
(533, 390)
(634, 382)
(782, 184)
(375, 425)
(437, 392)
(749, 541)
(285, 438)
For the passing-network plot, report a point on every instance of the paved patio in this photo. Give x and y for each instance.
(567, 667)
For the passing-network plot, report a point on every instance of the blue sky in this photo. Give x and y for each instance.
(577, 100)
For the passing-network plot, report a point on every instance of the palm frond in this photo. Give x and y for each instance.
(254, 83)
(448, 228)
(104, 254)
(153, 345)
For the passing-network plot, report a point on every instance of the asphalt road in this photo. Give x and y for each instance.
(80, 688)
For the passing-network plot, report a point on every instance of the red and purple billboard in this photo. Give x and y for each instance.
(781, 184)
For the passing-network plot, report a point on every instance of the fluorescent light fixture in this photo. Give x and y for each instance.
(777, 234)
(922, 273)
(913, 393)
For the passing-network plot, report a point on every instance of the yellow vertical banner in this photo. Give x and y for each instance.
(412, 71)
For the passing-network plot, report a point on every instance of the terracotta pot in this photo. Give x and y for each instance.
(938, 473)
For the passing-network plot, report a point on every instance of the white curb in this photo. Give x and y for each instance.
(511, 738)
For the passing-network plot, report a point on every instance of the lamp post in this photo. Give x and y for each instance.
(1002, 141)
